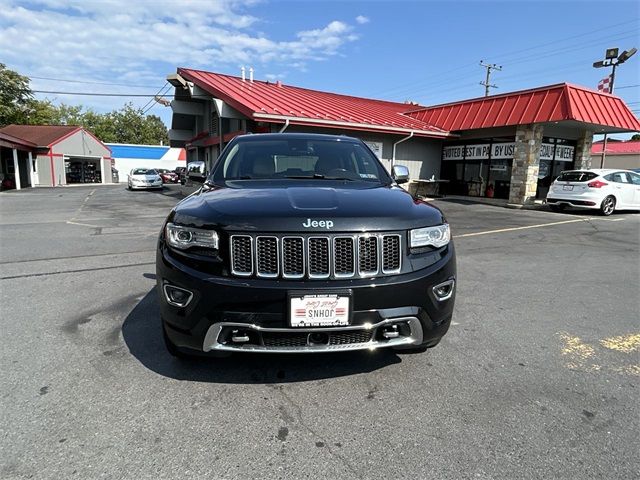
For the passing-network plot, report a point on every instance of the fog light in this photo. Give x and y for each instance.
(176, 296)
(444, 290)
(239, 336)
(391, 332)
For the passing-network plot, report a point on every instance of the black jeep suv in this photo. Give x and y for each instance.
(303, 243)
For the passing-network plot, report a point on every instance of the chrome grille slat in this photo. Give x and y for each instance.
(344, 257)
(316, 256)
(267, 262)
(391, 261)
(368, 255)
(242, 255)
(293, 257)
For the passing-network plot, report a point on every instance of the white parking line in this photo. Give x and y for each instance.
(540, 225)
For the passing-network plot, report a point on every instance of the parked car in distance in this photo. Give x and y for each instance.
(168, 176)
(300, 243)
(606, 190)
(144, 178)
(180, 171)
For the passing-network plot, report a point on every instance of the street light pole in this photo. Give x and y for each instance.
(612, 59)
(604, 141)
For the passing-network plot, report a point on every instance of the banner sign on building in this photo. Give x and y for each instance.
(564, 153)
(479, 151)
(453, 153)
(503, 150)
(546, 151)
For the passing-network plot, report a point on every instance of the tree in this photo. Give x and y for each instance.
(15, 96)
(126, 125)
(130, 125)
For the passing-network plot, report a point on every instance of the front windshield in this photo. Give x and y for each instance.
(300, 158)
(144, 171)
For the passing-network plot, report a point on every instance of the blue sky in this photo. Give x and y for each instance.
(425, 51)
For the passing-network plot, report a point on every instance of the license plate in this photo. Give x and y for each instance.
(330, 310)
(567, 187)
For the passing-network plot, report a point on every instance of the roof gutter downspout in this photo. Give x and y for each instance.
(286, 124)
(393, 156)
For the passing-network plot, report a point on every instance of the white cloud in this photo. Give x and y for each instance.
(140, 41)
(361, 19)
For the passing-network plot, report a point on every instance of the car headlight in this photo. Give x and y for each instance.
(437, 236)
(185, 237)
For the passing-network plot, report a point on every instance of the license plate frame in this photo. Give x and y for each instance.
(568, 188)
(295, 302)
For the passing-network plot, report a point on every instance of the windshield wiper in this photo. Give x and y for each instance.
(317, 176)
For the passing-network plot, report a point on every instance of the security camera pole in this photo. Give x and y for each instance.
(612, 59)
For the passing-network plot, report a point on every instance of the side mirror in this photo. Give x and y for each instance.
(400, 174)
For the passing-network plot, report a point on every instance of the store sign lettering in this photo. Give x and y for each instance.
(477, 152)
(564, 153)
(452, 153)
(503, 150)
(546, 151)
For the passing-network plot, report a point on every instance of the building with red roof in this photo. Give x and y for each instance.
(619, 154)
(50, 155)
(508, 146)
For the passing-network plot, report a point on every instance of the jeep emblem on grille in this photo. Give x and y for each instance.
(318, 223)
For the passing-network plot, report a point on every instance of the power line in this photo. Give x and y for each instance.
(442, 77)
(154, 101)
(157, 93)
(628, 86)
(92, 94)
(91, 82)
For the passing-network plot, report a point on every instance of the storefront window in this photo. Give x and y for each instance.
(556, 155)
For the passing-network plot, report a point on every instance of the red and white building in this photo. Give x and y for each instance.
(505, 146)
(52, 155)
(623, 155)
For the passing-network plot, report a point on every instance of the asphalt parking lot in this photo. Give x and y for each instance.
(538, 377)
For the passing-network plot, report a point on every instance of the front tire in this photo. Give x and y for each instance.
(608, 205)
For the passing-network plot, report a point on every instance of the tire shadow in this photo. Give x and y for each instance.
(142, 334)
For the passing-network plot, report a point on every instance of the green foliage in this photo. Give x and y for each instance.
(126, 125)
(15, 96)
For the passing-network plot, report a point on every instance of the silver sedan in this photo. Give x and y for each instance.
(144, 178)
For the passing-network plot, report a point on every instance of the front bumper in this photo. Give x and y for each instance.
(395, 311)
(145, 186)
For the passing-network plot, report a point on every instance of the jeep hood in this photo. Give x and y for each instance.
(289, 208)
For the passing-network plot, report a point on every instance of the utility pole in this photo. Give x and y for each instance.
(612, 59)
(486, 83)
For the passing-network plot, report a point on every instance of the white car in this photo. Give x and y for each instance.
(144, 178)
(606, 190)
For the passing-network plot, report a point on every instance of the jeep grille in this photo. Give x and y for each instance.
(315, 256)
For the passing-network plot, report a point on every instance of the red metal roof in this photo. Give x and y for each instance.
(554, 103)
(11, 141)
(630, 147)
(41, 135)
(275, 102)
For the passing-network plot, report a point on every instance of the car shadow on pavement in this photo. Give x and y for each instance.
(142, 334)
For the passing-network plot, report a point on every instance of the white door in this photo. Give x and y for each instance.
(635, 182)
(623, 189)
